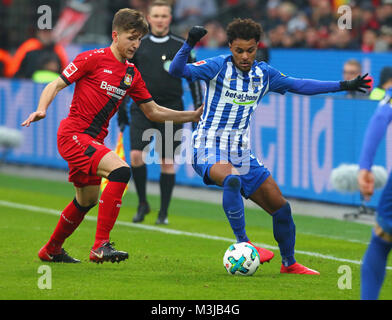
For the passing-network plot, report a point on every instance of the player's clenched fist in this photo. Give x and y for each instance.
(366, 183)
(35, 116)
(195, 34)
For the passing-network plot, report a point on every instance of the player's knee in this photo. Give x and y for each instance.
(233, 182)
(137, 158)
(122, 174)
(86, 205)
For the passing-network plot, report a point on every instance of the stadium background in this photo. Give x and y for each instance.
(300, 139)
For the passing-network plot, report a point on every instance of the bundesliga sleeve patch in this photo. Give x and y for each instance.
(70, 70)
(199, 63)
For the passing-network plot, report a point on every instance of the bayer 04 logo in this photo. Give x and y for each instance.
(241, 258)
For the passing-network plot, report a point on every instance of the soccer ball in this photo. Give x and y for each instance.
(241, 258)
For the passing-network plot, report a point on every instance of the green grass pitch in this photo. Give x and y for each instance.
(181, 261)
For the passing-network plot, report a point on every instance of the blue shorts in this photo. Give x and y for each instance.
(252, 171)
(384, 209)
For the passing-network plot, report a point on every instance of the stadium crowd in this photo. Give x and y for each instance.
(309, 24)
(290, 24)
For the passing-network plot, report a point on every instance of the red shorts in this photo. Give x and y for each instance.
(83, 154)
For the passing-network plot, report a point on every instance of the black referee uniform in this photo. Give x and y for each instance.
(153, 59)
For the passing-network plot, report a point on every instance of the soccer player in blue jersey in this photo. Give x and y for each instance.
(375, 259)
(235, 85)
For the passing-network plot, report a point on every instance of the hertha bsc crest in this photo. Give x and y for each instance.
(128, 79)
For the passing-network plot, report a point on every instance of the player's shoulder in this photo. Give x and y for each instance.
(92, 54)
(217, 60)
(263, 65)
(176, 38)
(132, 66)
(270, 70)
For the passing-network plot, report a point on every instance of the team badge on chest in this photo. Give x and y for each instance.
(256, 82)
(127, 79)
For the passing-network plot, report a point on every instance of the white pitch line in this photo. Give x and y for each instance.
(173, 231)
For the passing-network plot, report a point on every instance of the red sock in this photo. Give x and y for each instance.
(109, 208)
(70, 219)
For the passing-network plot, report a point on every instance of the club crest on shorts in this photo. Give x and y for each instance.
(128, 79)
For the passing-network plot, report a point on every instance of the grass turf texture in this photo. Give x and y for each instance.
(167, 266)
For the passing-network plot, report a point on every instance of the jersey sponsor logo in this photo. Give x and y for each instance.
(70, 70)
(241, 98)
(107, 71)
(112, 90)
(199, 63)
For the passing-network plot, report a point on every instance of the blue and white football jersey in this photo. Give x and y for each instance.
(230, 99)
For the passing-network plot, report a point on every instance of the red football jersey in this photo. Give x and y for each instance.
(101, 83)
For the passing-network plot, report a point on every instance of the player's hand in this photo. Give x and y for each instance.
(366, 183)
(195, 34)
(122, 118)
(35, 116)
(197, 113)
(360, 84)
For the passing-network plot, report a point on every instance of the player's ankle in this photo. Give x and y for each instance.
(99, 242)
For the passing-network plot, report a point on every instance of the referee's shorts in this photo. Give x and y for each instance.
(168, 136)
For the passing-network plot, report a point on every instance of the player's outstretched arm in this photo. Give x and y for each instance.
(47, 96)
(281, 83)
(375, 131)
(157, 113)
(178, 67)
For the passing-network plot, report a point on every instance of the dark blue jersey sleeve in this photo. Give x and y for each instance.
(200, 70)
(375, 132)
(280, 83)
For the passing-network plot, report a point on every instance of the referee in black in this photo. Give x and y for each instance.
(156, 51)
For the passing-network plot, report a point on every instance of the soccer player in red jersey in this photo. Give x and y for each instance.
(102, 79)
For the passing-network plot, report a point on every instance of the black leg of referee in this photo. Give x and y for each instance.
(166, 183)
(140, 179)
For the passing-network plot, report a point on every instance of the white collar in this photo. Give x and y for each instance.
(159, 39)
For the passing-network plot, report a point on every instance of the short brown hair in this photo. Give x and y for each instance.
(245, 29)
(130, 19)
(159, 3)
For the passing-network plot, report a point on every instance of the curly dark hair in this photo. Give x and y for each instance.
(245, 29)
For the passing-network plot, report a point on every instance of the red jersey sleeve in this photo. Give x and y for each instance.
(138, 91)
(81, 65)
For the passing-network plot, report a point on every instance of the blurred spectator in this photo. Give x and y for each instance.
(277, 36)
(384, 13)
(140, 5)
(341, 39)
(286, 23)
(216, 36)
(262, 52)
(48, 69)
(194, 12)
(385, 83)
(5, 62)
(384, 42)
(351, 69)
(26, 59)
(322, 14)
(369, 40)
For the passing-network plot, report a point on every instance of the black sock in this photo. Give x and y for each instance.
(166, 183)
(140, 178)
